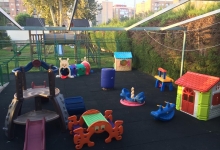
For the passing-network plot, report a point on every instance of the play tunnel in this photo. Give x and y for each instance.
(61, 38)
(76, 69)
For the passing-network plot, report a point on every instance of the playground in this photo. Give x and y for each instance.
(120, 108)
(141, 131)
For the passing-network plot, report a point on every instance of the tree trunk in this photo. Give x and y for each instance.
(61, 15)
(52, 16)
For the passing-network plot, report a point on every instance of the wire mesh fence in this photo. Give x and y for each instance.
(15, 54)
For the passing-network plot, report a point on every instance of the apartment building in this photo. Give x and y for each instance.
(4, 4)
(106, 13)
(12, 7)
(152, 5)
(122, 11)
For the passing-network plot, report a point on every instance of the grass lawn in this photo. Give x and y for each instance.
(9, 57)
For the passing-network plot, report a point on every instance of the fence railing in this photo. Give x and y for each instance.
(20, 53)
(4, 74)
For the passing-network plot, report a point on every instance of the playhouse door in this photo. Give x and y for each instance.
(188, 99)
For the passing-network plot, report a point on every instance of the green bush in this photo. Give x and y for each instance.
(147, 57)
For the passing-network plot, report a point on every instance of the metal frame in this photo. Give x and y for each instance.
(11, 19)
(192, 19)
(88, 28)
(157, 14)
(73, 13)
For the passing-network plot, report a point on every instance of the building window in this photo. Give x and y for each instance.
(216, 99)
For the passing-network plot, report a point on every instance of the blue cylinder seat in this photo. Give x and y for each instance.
(107, 78)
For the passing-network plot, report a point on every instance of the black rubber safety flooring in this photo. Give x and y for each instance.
(141, 130)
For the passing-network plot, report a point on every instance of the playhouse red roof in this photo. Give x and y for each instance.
(196, 81)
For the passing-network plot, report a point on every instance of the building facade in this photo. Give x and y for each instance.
(152, 6)
(106, 13)
(12, 7)
(122, 11)
(4, 4)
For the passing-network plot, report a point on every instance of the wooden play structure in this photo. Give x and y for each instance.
(96, 123)
(162, 80)
(39, 93)
(123, 61)
(40, 40)
(198, 95)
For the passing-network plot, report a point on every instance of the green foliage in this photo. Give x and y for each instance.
(145, 58)
(92, 9)
(54, 12)
(21, 18)
(3, 20)
(4, 38)
(148, 58)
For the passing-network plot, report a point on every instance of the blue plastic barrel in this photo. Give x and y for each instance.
(108, 78)
(75, 105)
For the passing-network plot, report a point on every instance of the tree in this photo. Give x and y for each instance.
(55, 11)
(124, 18)
(3, 34)
(88, 10)
(21, 18)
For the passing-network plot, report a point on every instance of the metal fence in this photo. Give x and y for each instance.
(4, 75)
(19, 53)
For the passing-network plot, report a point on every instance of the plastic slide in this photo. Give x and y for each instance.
(60, 50)
(35, 135)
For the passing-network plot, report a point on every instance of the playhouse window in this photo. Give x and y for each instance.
(185, 97)
(191, 98)
(216, 99)
(188, 95)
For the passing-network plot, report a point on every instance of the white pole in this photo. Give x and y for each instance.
(134, 8)
(183, 50)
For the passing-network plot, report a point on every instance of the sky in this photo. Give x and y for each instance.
(129, 3)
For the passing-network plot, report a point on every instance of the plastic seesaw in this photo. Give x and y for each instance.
(164, 113)
(129, 99)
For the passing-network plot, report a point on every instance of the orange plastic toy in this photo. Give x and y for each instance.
(96, 123)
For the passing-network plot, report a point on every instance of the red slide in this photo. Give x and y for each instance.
(35, 135)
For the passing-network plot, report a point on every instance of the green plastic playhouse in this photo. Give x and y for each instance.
(198, 95)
